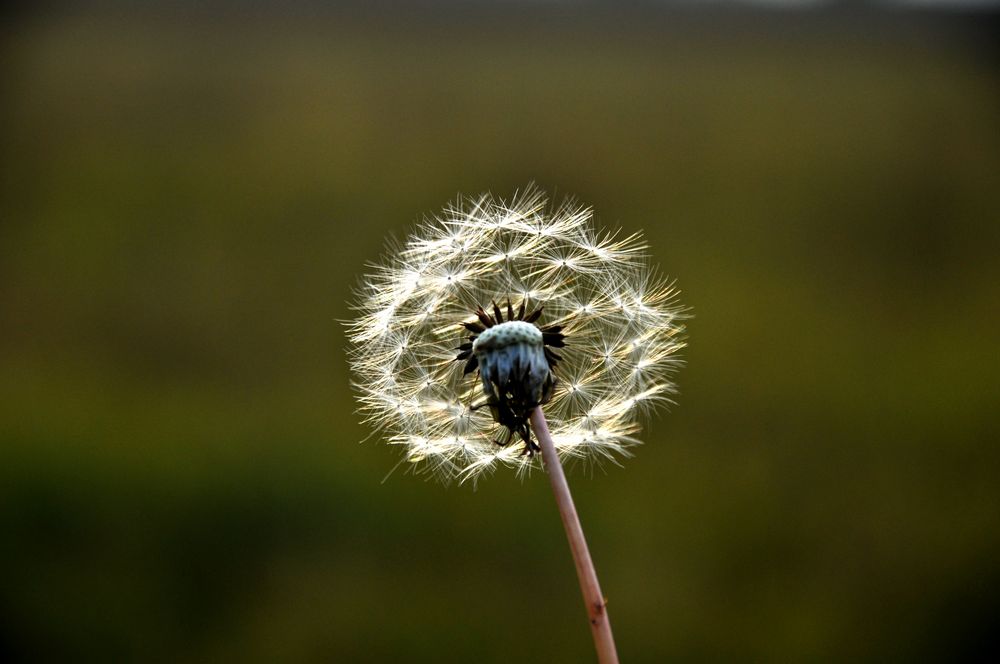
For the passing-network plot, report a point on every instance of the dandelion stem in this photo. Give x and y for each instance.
(596, 607)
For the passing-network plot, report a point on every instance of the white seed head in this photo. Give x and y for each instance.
(621, 323)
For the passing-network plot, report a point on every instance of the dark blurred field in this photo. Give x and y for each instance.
(186, 202)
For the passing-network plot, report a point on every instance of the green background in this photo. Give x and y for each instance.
(187, 199)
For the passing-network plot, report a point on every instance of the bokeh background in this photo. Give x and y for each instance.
(188, 194)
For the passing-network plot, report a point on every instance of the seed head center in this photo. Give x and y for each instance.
(507, 334)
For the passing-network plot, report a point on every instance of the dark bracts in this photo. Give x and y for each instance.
(517, 377)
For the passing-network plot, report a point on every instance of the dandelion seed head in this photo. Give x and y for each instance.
(619, 317)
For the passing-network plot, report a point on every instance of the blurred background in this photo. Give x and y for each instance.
(189, 192)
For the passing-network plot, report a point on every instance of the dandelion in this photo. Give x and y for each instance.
(494, 311)
(609, 325)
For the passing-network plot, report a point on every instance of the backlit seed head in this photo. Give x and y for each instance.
(508, 284)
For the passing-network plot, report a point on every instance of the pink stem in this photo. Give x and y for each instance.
(604, 642)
